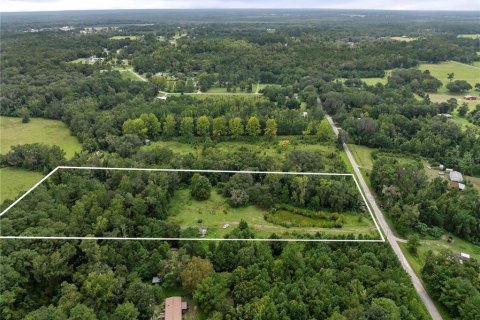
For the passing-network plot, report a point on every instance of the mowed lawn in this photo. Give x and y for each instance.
(13, 181)
(51, 132)
(215, 212)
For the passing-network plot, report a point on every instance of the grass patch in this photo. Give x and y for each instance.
(374, 81)
(469, 36)
(14, 181)
(79, 60)
(51, 132)
(125, 37)
(403, 38)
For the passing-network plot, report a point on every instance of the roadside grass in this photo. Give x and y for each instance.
(13, 181)
(215, 212)
(362, 155)
(51, 132)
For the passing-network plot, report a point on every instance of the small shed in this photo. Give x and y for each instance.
(202, 231)
(469, 97)
(456, 176)
(156, 280)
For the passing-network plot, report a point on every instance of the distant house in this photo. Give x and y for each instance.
(202, 231)
(463, 257)
(156, 280)
(470, 98)
(445, 115)
(457, 185)
(174, 308)
(162, 98)
(456, 176)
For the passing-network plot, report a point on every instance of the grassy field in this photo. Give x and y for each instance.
(469, 36)
(406, 39)
(129, 74)
(469, 73)
(125, 37)
(215, 212)
(51, 132)
(265, 147)
(13, 181)
(462, 71)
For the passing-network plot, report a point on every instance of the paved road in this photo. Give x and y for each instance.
(389, 234)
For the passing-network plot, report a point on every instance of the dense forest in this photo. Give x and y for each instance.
(250, 91)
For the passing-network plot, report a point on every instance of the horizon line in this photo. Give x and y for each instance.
(473, 10)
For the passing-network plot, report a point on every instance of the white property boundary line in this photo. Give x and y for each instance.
(192, 239)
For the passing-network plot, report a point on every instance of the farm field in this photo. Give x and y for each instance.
(215, 212)
(16, 180)
(51, 132)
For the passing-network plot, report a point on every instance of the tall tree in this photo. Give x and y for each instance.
(186, 127)
(271, 128)
(170, 126)
(203, 126)
(235, 126)
(135, 126)
(194, 272)
(219, 126)
(253, 126)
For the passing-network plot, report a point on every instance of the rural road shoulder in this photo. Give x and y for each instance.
(392, 240)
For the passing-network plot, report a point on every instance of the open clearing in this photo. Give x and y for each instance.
(462, 71)
(215, 212)
(403, 38)
(469, 36)
(51, 132)
(220, 217)
(469, 73)
(125, 37)
(14, 181)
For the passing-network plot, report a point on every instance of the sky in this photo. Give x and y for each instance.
(59, 5)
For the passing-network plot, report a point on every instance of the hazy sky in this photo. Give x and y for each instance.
(55, 5)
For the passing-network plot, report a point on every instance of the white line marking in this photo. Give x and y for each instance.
(193, 170)
(30, 190)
